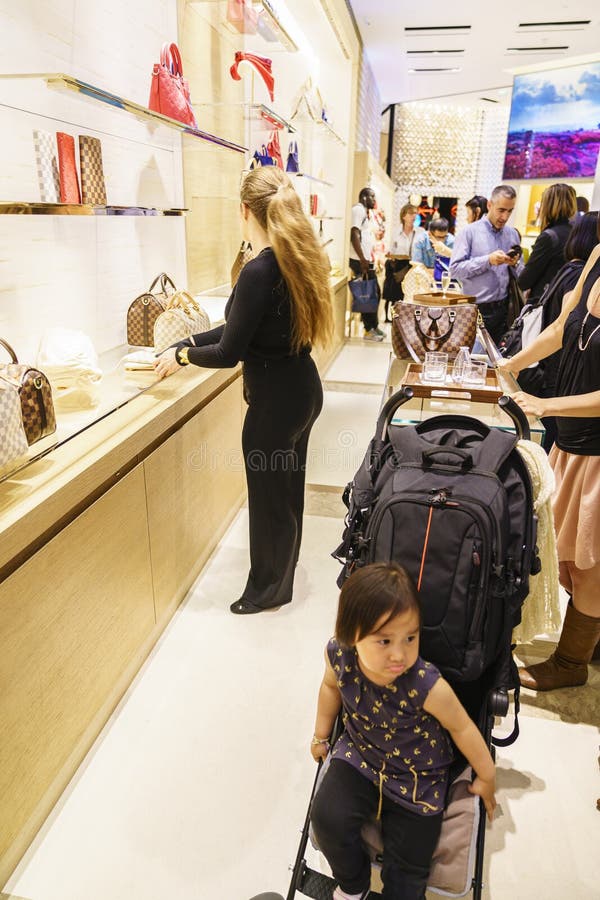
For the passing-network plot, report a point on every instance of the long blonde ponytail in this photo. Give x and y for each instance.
(271, 198)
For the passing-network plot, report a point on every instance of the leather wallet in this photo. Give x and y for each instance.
(47, 166)
(69, 183)
(93, 189)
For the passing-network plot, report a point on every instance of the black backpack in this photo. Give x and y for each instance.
(450, 500)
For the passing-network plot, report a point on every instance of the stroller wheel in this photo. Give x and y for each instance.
(268, 896)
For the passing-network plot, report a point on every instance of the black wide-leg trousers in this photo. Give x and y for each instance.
(284, 399)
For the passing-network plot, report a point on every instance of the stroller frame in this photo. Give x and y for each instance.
(483, 699)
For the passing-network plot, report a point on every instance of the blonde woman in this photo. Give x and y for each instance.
(558, 206)
(279, 308)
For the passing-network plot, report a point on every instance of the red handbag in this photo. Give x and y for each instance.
(274, 149)
(69, 183)
(242, 16)
(262, 64)
(169, 91)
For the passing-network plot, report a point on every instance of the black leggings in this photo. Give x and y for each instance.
(343, 802)
(284, 399)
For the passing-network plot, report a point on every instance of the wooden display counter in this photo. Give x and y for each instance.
(99, 542)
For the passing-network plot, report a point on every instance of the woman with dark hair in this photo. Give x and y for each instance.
(558, 206)
(581, 242)
(575, 460)
(476, 208)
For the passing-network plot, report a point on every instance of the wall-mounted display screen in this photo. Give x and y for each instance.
(554, 128)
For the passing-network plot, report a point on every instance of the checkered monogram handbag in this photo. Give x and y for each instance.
(418, 329)
(145, 310)
(47, 166)
(93, 189)
(35, 395)
(182, 317)
(13, 443)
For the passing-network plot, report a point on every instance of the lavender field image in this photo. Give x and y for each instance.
(554, 128)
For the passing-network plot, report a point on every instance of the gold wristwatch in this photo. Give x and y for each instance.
(182, 356)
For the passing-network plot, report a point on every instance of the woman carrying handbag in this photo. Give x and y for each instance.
(398, 262)
(280, 306)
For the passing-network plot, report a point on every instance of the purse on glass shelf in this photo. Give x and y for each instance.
(35, 396)
(243, 256)
(93, 188)
(69, 182)
(274, 149)
(47, 166)
(417, 330)
(262, 157)
(145, 310)
(242, 16)
(292, 164)
(182, 317)
(13, 442)
(169, 90)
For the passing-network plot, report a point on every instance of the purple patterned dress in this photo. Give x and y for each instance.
(388, 736)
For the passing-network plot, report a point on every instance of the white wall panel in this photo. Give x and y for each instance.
(83, 271)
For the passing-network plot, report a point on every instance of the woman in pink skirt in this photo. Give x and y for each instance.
(575, 459)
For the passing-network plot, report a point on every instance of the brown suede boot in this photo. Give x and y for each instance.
(567, 667)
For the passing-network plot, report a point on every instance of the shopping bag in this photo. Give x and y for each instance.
(365, 296)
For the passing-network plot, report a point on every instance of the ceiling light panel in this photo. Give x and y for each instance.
(570, 25)
(430, 30)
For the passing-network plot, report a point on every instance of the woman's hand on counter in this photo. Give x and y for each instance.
(166, 363)
(509, 366)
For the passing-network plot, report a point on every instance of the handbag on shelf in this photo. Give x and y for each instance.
(69, 183)
(145, 309)
(418, 329)
(47, 166)
(243, 256)
(292, 164)
(365, 296)
(262, 64)
(261, 158)
(242, 15)
(274, 149)
(35, 396)
(183, 316)
(13, 442)
(416, 281)
(169, 90)
(93, 188)
(70, 361)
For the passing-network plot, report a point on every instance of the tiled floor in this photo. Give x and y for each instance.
(197, 787)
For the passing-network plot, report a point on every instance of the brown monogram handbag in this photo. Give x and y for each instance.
(145, 310)
(244, 255)
(35, 395)
(418, 329)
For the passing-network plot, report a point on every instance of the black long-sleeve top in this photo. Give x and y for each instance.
(258, 320)
(547, 257)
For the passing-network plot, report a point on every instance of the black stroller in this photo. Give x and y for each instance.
(473, 484)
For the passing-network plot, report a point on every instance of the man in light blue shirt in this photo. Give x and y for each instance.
(482, 253)
(427, 248)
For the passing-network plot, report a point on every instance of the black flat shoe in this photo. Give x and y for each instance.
(243, 607)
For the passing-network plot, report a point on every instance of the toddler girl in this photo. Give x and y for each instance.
(392, 758)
